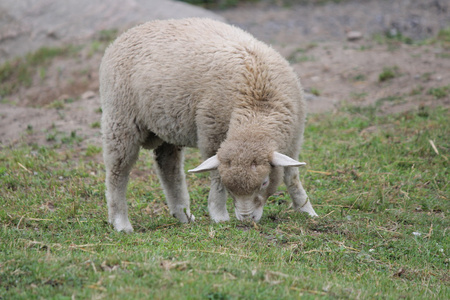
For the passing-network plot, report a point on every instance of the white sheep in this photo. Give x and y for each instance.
(166, 85)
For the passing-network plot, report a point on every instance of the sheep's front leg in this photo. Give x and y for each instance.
(298, 195)
(119, 153)
(169, 166)
(217, 199)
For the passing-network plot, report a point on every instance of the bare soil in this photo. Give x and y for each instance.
(333, 70)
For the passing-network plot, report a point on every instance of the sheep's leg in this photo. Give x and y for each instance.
(217, 199)
(298, 195)
(169, 166)
(120, 152)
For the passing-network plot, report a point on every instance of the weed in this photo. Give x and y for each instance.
(107, 35)
(45, 54)
(443, 55)
(95, 125)
(58, 104)
(439, 92)
(299, 55)
(51, 136)
(93, 150)
(314, 91)
(395, 99)
(96, 46)
(358, 96)
(301, 58)
(426, 76)
(42, 73)
(71, 139)
(29, 128)
(392, 38)
(444, 35)
(417, 91)
(388, 73)
(365, 47)
(359, 77)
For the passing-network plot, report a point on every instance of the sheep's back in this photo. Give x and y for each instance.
(181, 76)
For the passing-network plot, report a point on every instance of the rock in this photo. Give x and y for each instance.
(354, 35)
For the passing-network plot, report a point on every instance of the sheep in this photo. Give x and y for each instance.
(170, 84)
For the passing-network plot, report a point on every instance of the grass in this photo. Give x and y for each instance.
(443, 38)
(314, 91)
(379, 184)
(439, 92)
(299, 56)
(388, 73)
(19, 72)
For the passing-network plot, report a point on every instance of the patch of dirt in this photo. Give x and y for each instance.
(333, 70)
(315, 39)
(65, 101)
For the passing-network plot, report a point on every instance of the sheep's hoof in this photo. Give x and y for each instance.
(184, 217)
(220, 218)
(307, 208)
(122, 224)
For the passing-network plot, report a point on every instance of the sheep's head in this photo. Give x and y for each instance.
(250, 177)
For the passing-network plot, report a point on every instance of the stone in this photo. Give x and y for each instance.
(354, 35)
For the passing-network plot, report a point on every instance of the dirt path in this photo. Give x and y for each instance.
(333, 70)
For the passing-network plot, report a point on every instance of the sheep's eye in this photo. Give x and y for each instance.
(265, 183)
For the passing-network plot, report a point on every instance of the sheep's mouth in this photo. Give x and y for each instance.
(252, 215)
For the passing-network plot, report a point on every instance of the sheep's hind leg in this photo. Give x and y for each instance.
(217, 199)
(169, 166)
(120, 152)
(298, 195)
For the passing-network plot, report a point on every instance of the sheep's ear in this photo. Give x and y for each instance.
(208, 165)
(281, 160)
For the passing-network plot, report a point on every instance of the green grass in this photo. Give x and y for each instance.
(378, 184)
(388, 73)
(314, 91)
(440, 92)
(443, 38)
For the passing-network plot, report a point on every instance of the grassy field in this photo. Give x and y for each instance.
(379, 184)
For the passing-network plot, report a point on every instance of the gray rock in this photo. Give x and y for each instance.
(354, 35)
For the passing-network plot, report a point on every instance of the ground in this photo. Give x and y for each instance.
(400, 62)
(378, 180)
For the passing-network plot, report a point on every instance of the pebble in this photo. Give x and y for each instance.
(354, 35)
(310, 97)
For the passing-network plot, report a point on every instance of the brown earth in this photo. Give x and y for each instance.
(333, 70)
